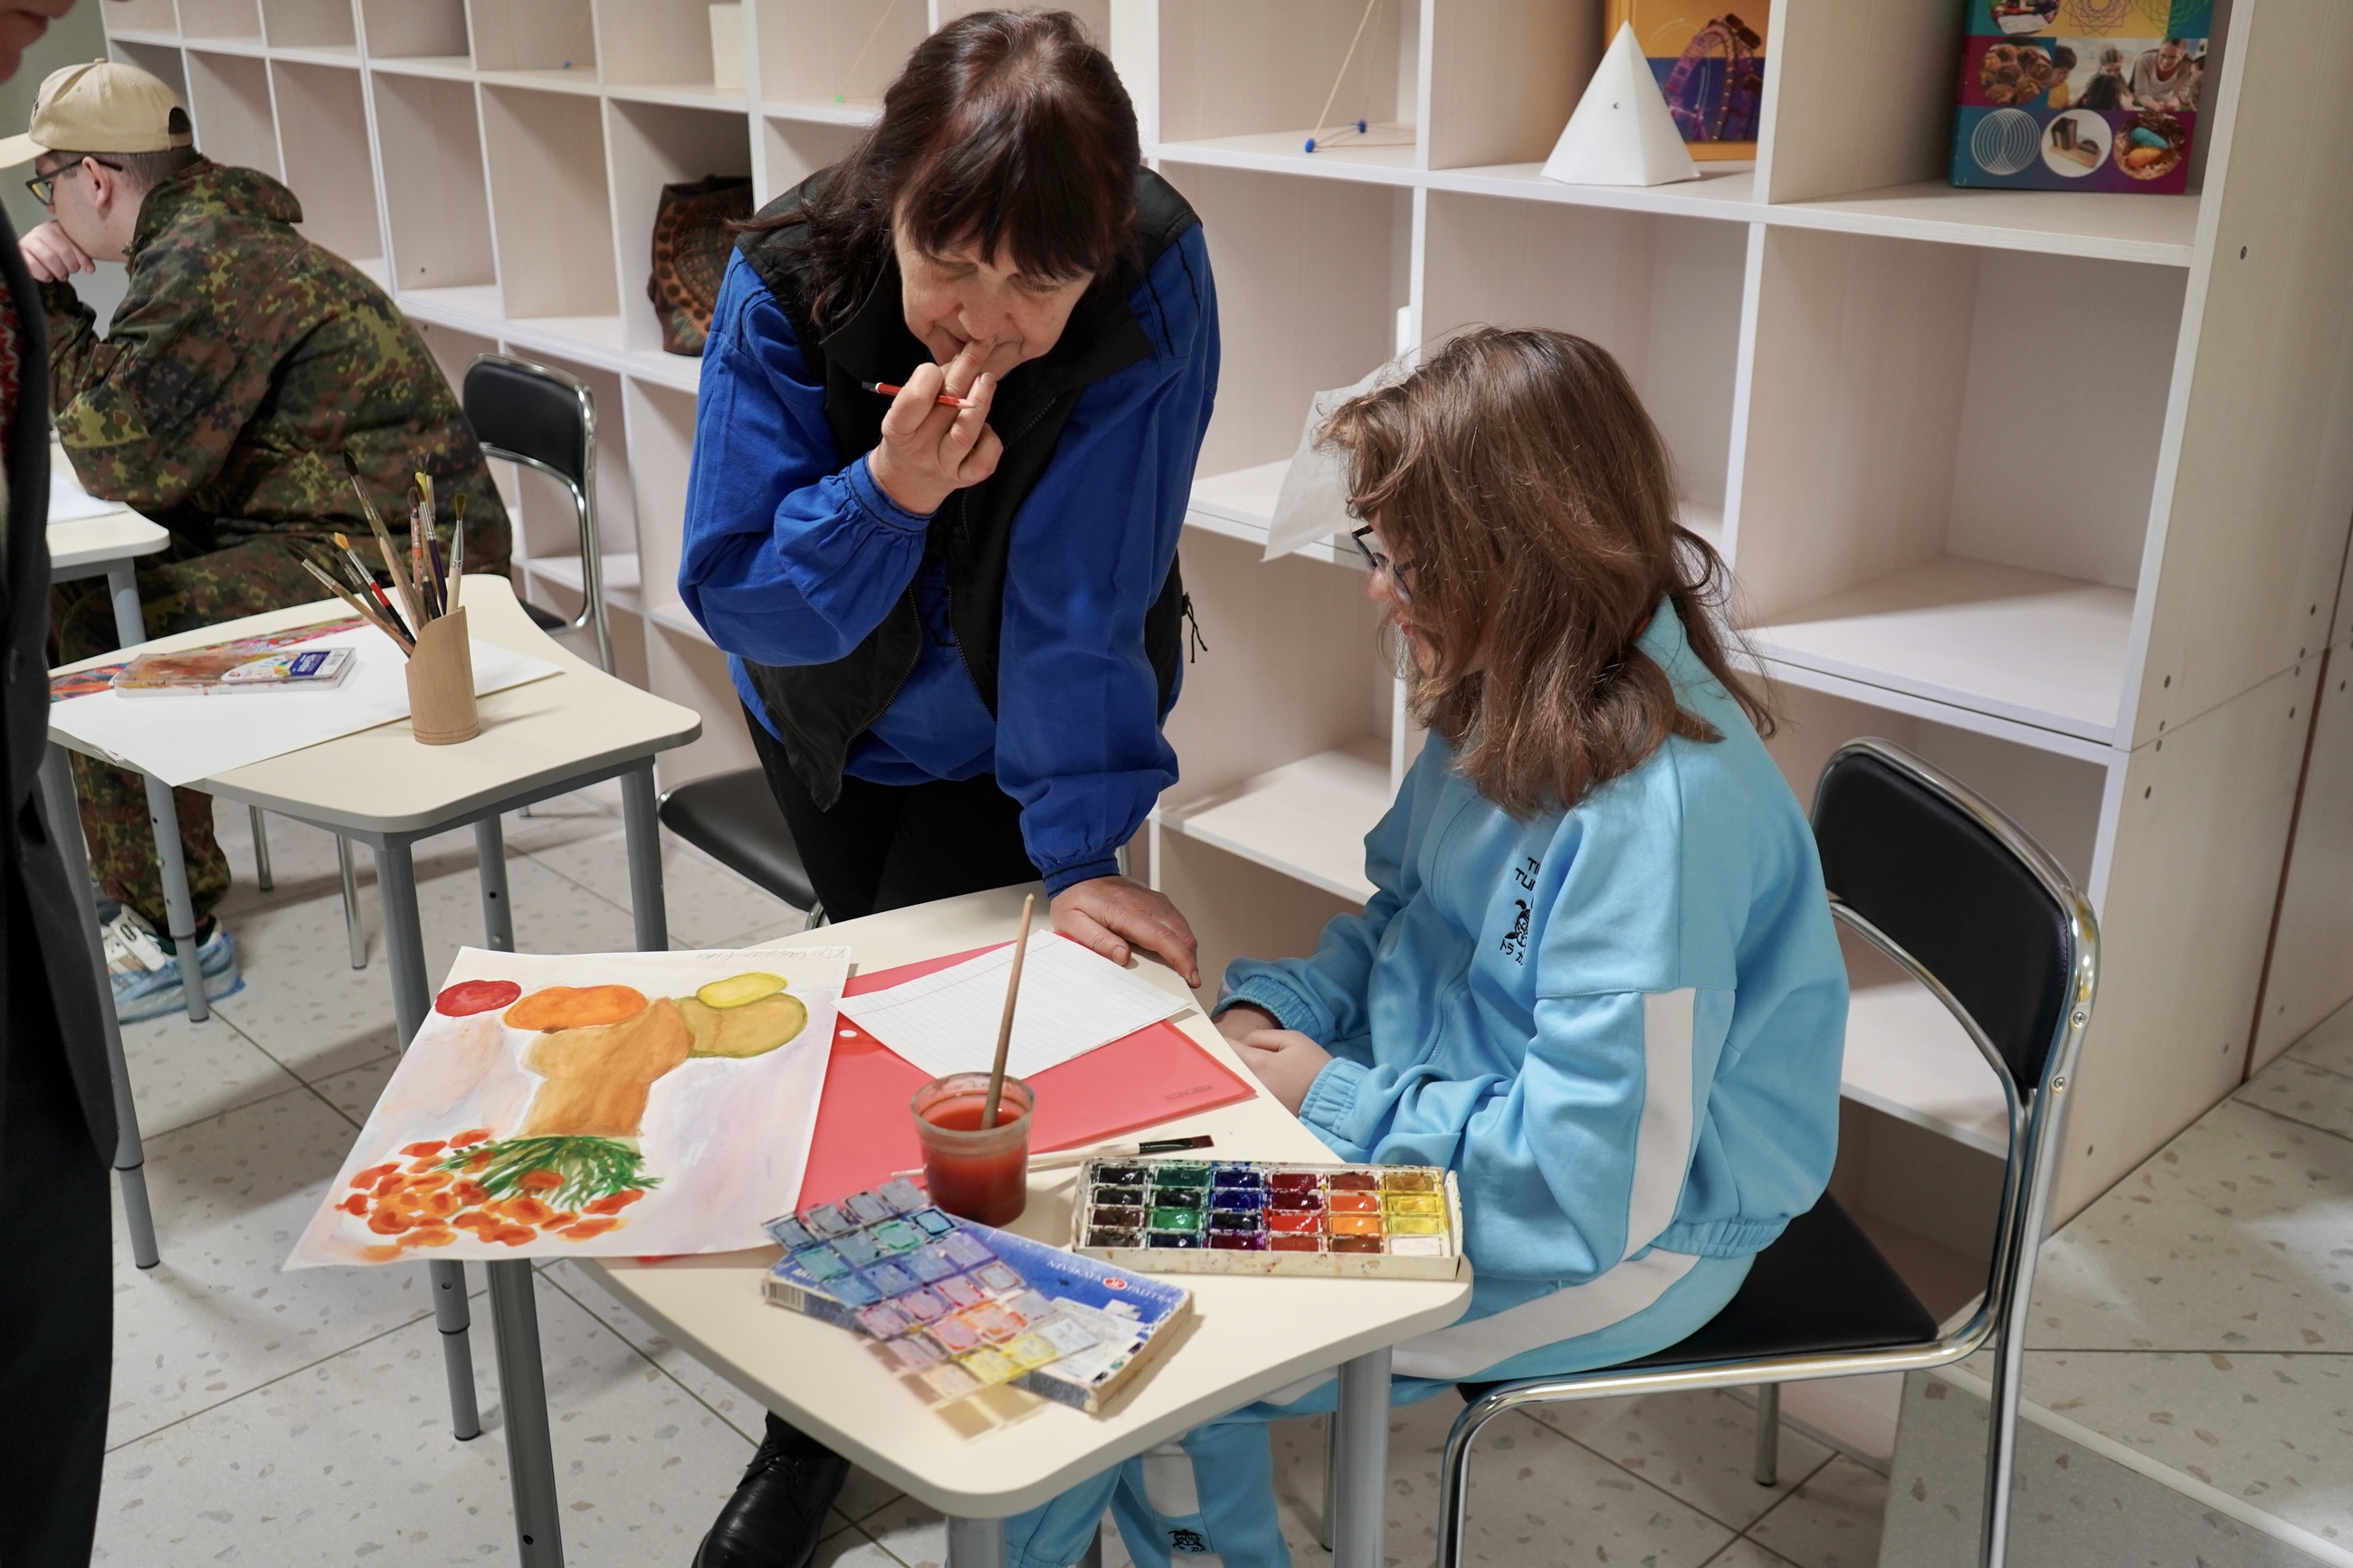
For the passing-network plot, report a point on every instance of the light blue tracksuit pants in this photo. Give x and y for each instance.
(1213, 1506)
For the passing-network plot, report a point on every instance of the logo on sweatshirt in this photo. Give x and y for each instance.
(1515, 944)
(1181, 1540)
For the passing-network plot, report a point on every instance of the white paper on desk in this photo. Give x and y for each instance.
(182, 739)
(1072, 1000)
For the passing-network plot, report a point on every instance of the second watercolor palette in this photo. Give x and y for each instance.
(1238, 1216)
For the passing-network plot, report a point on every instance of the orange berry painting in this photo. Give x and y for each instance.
(614, 1103)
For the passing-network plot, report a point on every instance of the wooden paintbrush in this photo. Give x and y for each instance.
(384, 543)
(456, 548)
(367, 612)
(1067, 1159)
(363, 582)
(1005, 1024)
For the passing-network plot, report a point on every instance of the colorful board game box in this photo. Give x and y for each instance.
(1240, 1216)
(952, 1307)
(2082, 95)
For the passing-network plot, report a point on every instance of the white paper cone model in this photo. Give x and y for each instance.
(1622, 133)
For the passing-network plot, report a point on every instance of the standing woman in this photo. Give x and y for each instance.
(956, 628)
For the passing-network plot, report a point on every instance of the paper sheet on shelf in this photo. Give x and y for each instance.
(183, 738)
(1072, 1001)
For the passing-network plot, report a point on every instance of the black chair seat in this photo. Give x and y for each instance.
(1820, 1289)
(545, 620)
(734, 819)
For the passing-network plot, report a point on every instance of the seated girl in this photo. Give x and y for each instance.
(1596, 978)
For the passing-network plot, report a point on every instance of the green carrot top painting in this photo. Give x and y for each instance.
(626, 1103)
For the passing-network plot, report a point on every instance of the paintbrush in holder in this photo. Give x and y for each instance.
(430, 628)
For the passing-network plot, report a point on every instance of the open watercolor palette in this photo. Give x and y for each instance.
(1238, 1216)
(951, 1308)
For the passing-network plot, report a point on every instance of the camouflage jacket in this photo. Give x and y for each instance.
(242, 363)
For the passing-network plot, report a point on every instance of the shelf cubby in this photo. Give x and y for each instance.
(435, 195)
(220, 19)
(799, 148)
(322, 130)
(552, 217)
(653, 145)
(1950, 458)
(163, 61)
(830, 60)
(228, 102)
(324, 27)
(1327, 264)
(1245, 81)
(1506, 76)
(1290, 769)
(667, 42)
(1662, 294)
(158, 18)
(534, 36)
(416, 31)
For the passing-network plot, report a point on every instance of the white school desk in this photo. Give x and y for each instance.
(1251, 1336)
(110, 546)
(381, 788)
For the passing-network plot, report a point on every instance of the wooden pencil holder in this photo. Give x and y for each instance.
(441, 683)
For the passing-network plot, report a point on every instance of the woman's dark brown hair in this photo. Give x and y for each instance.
(1531, 505)
(1008, 130)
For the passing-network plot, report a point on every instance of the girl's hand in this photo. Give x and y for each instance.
(1243, 1019)
(929, 452)
(1285, 1060)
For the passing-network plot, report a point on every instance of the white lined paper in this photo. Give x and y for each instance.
(1072, 1000)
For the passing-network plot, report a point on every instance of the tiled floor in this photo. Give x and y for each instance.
(266, 1417)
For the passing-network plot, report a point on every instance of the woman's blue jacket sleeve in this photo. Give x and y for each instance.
(792, 557)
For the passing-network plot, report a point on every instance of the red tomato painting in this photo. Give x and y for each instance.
(470, 996)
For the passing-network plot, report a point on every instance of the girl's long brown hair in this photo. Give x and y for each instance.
(1008, 130)
(1529, 503)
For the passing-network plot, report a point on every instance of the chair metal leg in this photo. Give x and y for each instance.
(261, 876)
(130, 1151)
(1454, 1480)
(354, 934)
(1331, 1480)
(1768, 1433)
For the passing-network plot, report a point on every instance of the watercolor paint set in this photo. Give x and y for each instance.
(951, 1308)
(1240, 1216)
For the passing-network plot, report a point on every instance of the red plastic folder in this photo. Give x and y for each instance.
(865, 1132)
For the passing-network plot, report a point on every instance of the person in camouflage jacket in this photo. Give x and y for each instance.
(242, 363)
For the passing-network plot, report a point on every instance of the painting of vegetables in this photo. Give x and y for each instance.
(551, 1103)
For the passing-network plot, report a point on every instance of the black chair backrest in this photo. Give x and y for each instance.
(530, 412)
(1956, 889)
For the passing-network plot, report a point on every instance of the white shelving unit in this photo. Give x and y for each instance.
(2052, 487)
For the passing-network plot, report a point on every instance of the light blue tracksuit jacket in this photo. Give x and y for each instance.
(1619, 1025)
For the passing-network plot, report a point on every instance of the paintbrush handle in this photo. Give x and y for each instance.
(1005, 1024)
(366, 613)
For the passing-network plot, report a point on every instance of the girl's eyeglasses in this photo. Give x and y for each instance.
(1397, 571)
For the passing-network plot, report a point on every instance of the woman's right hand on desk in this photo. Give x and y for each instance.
(929, 451)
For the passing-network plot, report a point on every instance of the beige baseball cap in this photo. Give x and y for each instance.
(101, 106)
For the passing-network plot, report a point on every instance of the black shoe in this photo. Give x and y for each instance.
(778, 1509)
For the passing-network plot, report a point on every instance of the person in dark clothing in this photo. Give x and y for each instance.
(952, 614)
(57, 1104)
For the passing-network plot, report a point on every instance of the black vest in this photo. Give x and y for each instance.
(818, 710)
